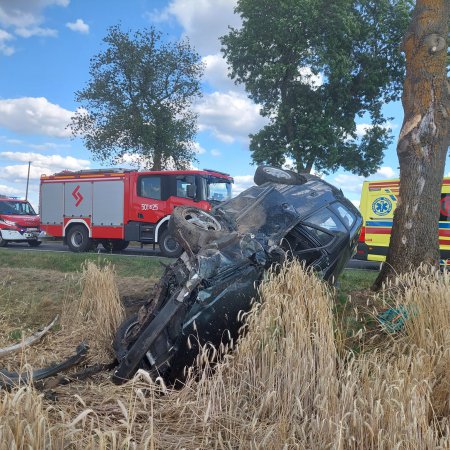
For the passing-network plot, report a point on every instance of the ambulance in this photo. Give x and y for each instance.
(378, 202)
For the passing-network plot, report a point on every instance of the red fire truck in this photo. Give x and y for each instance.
(116, 206)
(18, 222)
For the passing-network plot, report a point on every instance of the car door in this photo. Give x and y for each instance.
(150, 204)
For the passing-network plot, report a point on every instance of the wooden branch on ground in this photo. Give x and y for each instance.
(30, 340)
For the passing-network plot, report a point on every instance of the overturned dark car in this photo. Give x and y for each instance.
(199, 298)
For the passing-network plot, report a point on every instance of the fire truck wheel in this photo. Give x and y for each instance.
(263, 174)
(78, 239)
(169, 245)
(194, 228)
(3, 242)
(34, 243)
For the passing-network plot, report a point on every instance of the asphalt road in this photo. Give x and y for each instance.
(147, 250)
(58, 246)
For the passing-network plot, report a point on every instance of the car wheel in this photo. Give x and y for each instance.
(194, 228)
(125, 329)
(78, 239)
(3, 242)
(264, 174)
(34, 243)
(169, 245)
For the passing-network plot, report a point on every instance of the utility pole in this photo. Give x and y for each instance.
(28, 180)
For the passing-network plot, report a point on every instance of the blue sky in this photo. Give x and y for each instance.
(45, 47)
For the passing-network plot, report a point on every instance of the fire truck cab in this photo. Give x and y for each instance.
(116, 206)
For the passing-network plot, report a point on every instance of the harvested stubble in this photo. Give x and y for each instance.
(284, 386)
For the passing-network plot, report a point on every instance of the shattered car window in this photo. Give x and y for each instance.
(347, 217)
(326, 219)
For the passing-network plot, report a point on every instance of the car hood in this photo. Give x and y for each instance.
(23, 221)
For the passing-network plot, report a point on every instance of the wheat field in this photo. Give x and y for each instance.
(289, 382)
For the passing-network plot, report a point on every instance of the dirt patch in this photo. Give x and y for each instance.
(134, 291)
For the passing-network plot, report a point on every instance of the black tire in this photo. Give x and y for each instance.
(114, 245)
(169, 245)
(125, 328)
(34, 243)
(3, 242)
(78, 239)
(120, 245)
(195, 228)
(264, 174)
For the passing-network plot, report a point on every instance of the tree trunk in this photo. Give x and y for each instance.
(157, 161)
(423, 141)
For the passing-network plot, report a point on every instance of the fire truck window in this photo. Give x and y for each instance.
(445, 208)
(150, 187)
(183, 182)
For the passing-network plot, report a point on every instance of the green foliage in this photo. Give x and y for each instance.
(138, 100)
(315, 66)
(125, 266)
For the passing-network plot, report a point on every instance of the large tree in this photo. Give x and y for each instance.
(424, 140)
(315, 66)
(137, 101)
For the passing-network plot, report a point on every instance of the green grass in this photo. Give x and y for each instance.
(352, 279)
(126, 266)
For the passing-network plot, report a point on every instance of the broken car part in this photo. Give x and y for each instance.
(10, 379)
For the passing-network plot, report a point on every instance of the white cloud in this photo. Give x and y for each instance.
(216, 73)
(34, 115)
(36, 31)
(40, 147)
(40, 164)
(79, 26)
(348, 182)
(308, 77)
(8, 190)
(215, 152)
(47, 146)
(241, 183)
(356, 203)
(361, 129)
(14, 141)
(203, 21)
(133, 160)
(352, 184)
(25, 13)
(5, 48)
(386, 172)
(199, 149)
(229, 116)
(24, 18)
